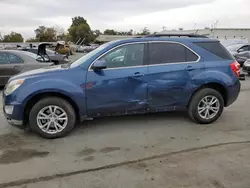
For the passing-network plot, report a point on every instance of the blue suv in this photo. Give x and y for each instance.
(156, 73)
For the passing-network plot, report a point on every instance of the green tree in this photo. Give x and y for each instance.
(110, 32)
(32, 40)
(13, 37)
(144, 31)
(45, 34)
(81, 29)
(97, 32)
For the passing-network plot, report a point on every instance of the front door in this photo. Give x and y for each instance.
(10, 65)
(121, 87)
(171, 66)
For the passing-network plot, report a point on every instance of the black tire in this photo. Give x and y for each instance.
(198, 96)
(65, 105)
(248, 73)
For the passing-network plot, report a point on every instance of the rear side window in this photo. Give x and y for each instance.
(7, 58)
(14, 59)
(161, 53)
(216, 48)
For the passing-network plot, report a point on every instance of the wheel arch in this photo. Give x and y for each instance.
(34, 99)
(213, 85)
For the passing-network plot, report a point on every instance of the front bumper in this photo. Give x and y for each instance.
(10, 119)
(13, 111)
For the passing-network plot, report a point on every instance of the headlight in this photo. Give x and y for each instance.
(12, 86)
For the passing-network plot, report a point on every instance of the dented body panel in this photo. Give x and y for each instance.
(129, 90)
(117, 91)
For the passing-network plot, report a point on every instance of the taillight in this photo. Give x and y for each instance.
(235, 66)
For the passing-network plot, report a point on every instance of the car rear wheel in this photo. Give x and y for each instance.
(206, 106)
(52, 117)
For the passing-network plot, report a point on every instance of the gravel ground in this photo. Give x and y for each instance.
(157, 150)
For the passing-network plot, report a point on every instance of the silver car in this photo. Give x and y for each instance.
(241, 52)
(246, 66)
(13, 62)
(55, 57)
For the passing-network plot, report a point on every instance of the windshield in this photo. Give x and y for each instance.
(90, 54)
(234, 47)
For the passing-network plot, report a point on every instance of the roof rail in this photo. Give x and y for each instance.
(177, 35)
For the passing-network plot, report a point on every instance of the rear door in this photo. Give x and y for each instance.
(170, 71)
(10, 64)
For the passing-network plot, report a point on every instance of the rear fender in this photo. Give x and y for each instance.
(227, 81)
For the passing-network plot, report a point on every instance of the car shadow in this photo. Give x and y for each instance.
(132, 121)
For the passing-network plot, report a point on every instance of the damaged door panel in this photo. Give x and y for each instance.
(121, 88)
(169, 78)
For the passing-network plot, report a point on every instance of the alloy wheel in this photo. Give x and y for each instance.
(208, 107)
(52, 119)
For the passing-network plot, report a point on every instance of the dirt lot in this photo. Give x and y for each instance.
(158, 150)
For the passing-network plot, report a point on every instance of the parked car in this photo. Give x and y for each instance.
(55, 57)
(246, 66)
(13, 62)
(87, 48)
(156, 73)
(240, 51)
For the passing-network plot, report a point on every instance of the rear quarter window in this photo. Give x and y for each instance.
(216, 48)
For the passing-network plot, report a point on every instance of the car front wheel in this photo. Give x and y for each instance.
(206, 106)
(52, 117)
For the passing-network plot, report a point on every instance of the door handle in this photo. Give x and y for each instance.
(190, 68)
(138, 74)
(17, 67)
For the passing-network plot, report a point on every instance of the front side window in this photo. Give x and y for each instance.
(3, 58)
(162, 53)
(125, 56)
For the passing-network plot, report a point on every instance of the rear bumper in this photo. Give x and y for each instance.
(233, 93)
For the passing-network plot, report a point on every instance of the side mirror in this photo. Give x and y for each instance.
(99, 65)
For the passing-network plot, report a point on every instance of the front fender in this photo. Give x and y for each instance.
(75, 92)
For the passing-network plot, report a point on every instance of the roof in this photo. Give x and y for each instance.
(173, 39)
(107, 38)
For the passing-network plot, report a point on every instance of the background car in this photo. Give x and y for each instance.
(241, 52)
(87, 48)
(246, 66)
(55, 57)
(13, 62)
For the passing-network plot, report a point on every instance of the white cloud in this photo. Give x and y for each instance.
(228, 14)
(26, 15)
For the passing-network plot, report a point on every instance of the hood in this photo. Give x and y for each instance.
(42, 48)
(41, 72)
